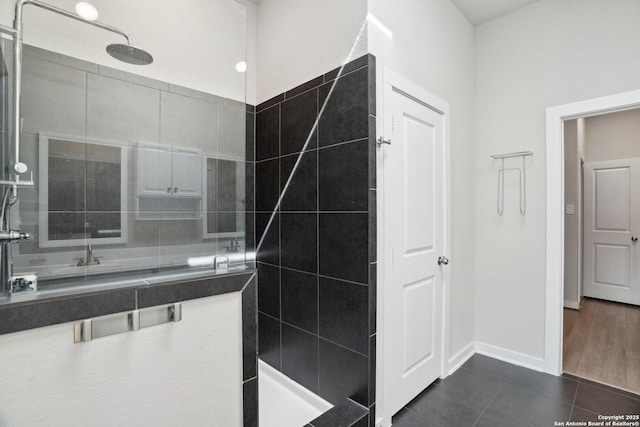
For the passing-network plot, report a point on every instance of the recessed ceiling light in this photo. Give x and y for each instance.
(241, 67)
(86, 11)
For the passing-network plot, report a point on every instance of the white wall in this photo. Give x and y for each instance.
(299, 40)
(185, 373)
(613, 136)
(6, 13)
(550, 53)
(252, 58)
(195, 44)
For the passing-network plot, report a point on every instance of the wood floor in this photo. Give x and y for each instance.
(602, 343)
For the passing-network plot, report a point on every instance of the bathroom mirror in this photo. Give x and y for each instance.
(82, 186)
(224, 184)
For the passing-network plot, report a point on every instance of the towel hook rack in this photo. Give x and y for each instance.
(522, 177)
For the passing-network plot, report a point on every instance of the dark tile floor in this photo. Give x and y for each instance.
(491, 393)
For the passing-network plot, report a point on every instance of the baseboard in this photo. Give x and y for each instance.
(510, 356)
(572, 304)
(460, 358)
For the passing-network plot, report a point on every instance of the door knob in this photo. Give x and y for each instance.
(443, 260)
(634, 239)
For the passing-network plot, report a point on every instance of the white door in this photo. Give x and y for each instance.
(611, 268)
(414, 203)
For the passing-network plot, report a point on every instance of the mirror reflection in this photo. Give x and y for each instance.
(225, 191)
(82, 197)
(144, 164)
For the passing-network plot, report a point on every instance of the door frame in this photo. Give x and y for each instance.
(554, 302)
(388, 80)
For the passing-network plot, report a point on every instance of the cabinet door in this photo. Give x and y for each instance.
(154, 170)
(187, 172)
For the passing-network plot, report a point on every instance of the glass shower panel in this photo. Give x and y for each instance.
(138, 169)
(6, 88)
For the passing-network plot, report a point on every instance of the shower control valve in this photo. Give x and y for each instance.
(23, 285)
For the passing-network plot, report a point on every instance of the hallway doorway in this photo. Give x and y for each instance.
(601, 254)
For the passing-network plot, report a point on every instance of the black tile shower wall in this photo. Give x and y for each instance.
(315, 216)
(299, 299)
(298, 116)
(269, 290)
(300, 356)
(302, 188)
(343, 309)
(345, 117)
(343, 241)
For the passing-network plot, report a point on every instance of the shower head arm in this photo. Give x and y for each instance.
(18, 167)
(17, 23)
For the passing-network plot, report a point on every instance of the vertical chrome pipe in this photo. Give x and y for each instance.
(17, 83)
(6, 267)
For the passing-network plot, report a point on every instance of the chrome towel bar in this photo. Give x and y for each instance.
(522, 176)
(98, 327)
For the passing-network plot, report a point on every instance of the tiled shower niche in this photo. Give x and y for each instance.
(317, 260)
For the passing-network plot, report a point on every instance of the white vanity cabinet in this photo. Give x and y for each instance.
(165, 171)
(186, 171)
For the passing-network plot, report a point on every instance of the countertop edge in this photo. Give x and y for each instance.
(46, 311)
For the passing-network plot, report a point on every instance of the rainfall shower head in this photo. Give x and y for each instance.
(126, 53)
(129, 54)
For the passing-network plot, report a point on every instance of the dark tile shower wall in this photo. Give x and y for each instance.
(317, 262)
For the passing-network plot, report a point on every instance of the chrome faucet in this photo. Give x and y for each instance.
(89, 258)
(89, 254)
(233, 245)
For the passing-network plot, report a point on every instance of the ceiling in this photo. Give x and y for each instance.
(215, 35)
(480, 11)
